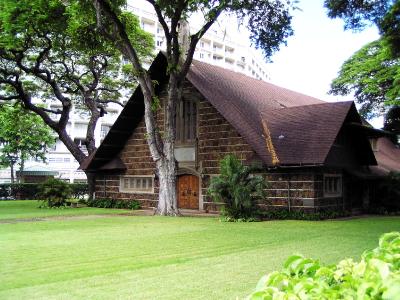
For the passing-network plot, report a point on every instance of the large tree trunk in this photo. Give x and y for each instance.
(12, 172)
(162, 150)
(167, 199)
(167, 169)
(78, 154)
(21, 169)
(91, 179)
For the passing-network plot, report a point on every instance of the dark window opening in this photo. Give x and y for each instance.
(186, 122)
(332, 186)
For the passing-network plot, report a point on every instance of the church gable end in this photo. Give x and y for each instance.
(215, 139)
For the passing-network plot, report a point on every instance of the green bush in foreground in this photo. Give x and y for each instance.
(54, 192)
(376, 276)
(238, 189)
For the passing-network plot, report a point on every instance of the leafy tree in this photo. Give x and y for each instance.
(357, 14)
(237, 188)
(373, 72)
(374, 77)
(22, 135)
(268, 22)
(50, 50)
(392, 123)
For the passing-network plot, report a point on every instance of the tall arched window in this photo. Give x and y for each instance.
(186, 121)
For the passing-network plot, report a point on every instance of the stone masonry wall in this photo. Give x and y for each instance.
(299, 189)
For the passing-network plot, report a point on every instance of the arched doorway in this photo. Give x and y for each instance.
(188, 191)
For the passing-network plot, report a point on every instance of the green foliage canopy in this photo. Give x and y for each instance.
(268, 21)
(374, 77)
(392, 120)
(385, 14)
(22, 135)
(373, 72)
(51, 50)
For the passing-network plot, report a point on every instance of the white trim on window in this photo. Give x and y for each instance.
(143, 184)
(333, 185)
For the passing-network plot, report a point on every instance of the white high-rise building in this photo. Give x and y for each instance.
(217, 47)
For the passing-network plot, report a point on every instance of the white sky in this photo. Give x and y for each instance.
(313, 56)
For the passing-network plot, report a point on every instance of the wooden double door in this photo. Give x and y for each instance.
(188, 192)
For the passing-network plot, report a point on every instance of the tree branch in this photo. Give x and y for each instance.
(123, 43)
(110, 101)
(44, 52)
(194, 39)
(45, 75)
(174, 32)
(163, 23)
(7, 98)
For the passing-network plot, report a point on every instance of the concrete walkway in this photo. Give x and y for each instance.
(184, 212)
(139, 212)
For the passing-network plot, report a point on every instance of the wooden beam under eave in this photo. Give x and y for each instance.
(120, 131)
(100, 159)
(111, 145)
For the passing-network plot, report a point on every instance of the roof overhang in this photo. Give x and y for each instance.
(127, 121)
(369, 131)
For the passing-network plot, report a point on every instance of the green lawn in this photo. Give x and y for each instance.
(133, 257)
(29, 209)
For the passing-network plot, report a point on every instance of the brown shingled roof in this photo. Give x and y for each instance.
(248, 104)
(387, 156)
(240, 99)
(305, 134)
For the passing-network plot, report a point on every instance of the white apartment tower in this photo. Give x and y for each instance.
(216, 47)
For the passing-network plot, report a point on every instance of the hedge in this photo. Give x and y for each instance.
(24, 191)
(113, 203)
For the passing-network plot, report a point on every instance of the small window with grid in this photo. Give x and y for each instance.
(186, 122)
(332, 185)
(137, 184)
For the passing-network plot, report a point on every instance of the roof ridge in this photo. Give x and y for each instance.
(349, 102)
(195, 61)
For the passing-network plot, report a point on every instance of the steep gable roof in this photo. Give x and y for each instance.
(305, 134)
(125, 124)
(261, 112)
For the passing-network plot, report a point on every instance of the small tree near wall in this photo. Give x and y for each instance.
(237, 188)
